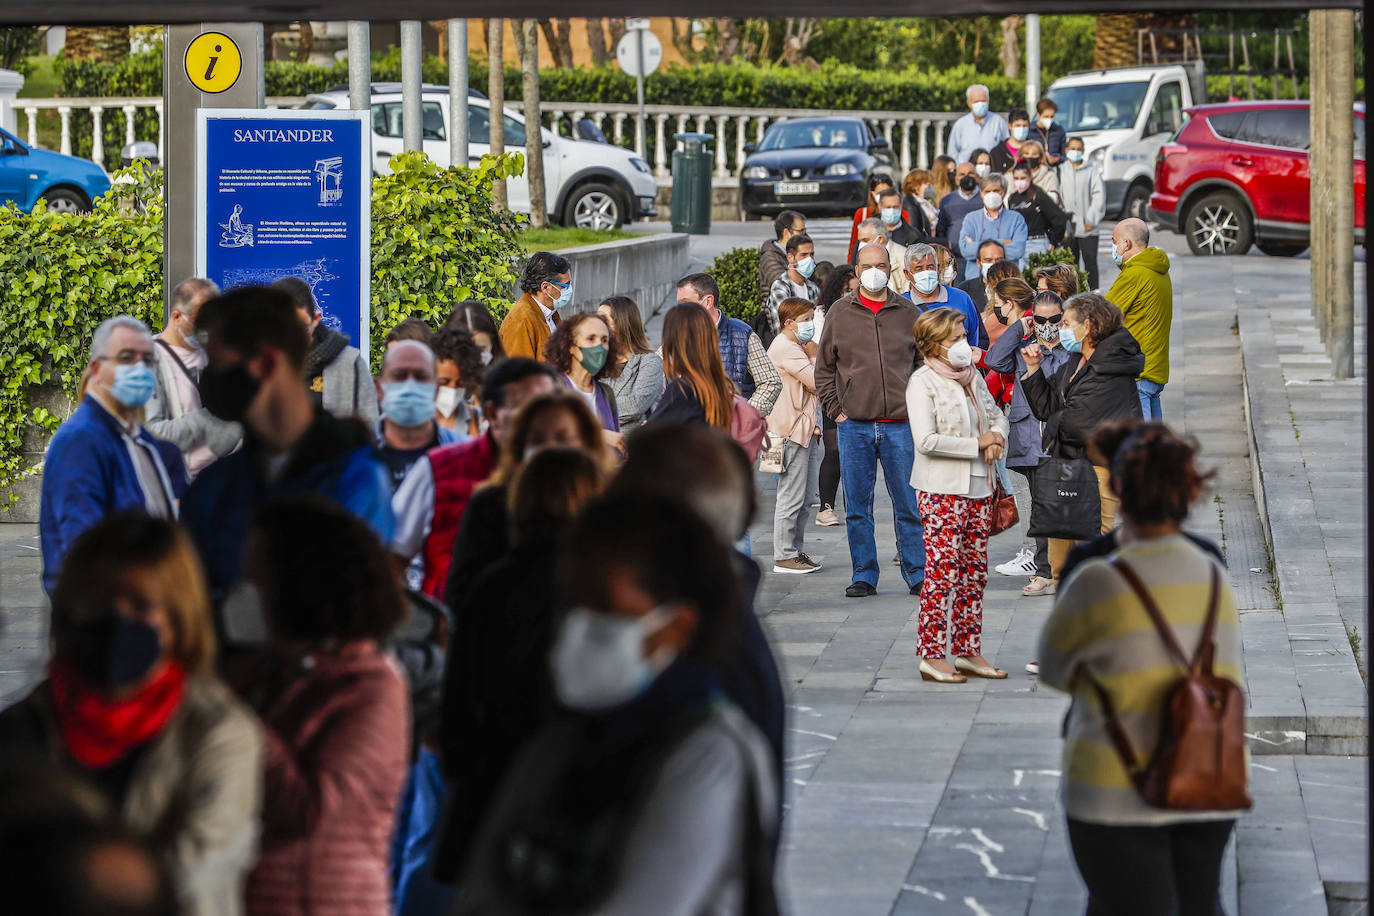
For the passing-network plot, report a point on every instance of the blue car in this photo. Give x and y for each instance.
(27, 174)
(815, 165)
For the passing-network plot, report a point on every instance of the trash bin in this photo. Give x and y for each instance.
(692, 184)
(139, 149)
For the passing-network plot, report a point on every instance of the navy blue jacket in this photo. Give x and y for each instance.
(1024, 446)
(953, 209)
(336, 459)
(734, 353)
(88, 475)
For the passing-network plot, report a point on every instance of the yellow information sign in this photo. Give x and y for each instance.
(213, 62)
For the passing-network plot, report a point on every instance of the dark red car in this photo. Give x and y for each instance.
(1236, 174)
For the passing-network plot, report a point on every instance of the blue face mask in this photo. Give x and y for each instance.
(892, 215)
(980, 109)
(806, 331)
(806, 267)
(1075, 155)
(1069, 341)
(409, 403)
(1019, 133)
(565, 297)
(1116, 255)
(133, 385)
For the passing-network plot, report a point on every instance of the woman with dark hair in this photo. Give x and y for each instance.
(636, 378)
(697, 389)
(877, 184)
(475, 318)
(1094, 385)
(1135, 858)
(505, 627)
(656, 788)
(459, 370)
(993, 321)
(919, 200)
(981, 160)
(1045, 219)
(132, 705)
(843, 282)
(583, 350)
(334, 711)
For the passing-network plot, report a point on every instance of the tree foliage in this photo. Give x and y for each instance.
(737, 273)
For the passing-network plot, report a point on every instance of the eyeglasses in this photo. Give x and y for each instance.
(129, 357)
(559, 285)
(1048, 319)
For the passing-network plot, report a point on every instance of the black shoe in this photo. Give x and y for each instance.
(860, 590)
(916, 589)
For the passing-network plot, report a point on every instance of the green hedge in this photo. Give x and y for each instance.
(436, 239)
(736, 272)
(1059, 255)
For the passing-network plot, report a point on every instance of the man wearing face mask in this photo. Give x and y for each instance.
(773, 260)
(979, 129)
(1049, 132)
(989, 253)
(174, 412)
(927, 292)
(866, 355)
(1006, 153)
(406, 390)
(1045, 220)
(873, 232)
(102, 460)
(547, 286)
(993, 221)
(258, 350)
(954, 206)
(1085, 199)
(890, 211)
(1145, 295)
(337, 376)
(741, 351)
(795, 282)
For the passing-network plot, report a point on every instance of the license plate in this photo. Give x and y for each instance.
(797, 187)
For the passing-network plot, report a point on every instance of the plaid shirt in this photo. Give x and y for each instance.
(767, 382)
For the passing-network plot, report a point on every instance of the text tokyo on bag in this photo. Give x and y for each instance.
(1065, 502)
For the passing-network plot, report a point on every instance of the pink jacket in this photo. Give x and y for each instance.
(796, 414)
(336, 755)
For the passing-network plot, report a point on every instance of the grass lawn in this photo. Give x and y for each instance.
(556, 237)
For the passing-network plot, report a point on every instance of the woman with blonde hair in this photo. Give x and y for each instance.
(1043, 175)
(942, 176)
(132, 704)
(697, 389)
(958, 432)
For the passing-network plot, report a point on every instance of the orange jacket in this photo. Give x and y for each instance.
(524, 330)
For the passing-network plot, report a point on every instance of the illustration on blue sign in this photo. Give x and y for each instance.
(283, 198)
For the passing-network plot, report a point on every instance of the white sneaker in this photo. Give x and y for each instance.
(1032, 667)
(1023, 564)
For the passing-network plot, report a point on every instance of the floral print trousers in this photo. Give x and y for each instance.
(956, 532)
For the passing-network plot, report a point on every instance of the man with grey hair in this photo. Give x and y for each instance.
(926, 292)
(101, 460)
(1145, 295)
(872, 231)
(979, 129)
(174, 412)
(992, 221)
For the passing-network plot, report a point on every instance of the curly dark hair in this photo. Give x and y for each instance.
(558, 348)
(457, 346)
(833, 288)
(322, 573)
(1106, 318)
(543, 267)
(1154, 470)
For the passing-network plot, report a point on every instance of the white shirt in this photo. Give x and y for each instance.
(548, 315)
(413, 506)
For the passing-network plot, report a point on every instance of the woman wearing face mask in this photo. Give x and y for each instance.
(1049, 132)
(582, 349)
(958, 431)
(506, 625)
(1006, 153)
(655, 789)
(334, 707)
(1091, 387)
(843, 282)
(1045, 219)
(636, 378)
(1039, 328)
(872, 208)
(795, 420)
(1043, 175)
(475, 318)
(458, 371)
(982, 163)
(131, 704)
(919, 200)
(994, 320)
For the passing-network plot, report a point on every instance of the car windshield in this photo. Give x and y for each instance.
(1105, 106)
(813, 135)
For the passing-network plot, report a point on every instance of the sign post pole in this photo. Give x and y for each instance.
(639, 86)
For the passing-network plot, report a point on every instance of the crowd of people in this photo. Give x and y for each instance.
(478, 635)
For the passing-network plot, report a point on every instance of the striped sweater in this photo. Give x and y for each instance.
(1099, 623)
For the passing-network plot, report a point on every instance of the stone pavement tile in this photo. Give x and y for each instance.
(1335, 794)
(956, 894)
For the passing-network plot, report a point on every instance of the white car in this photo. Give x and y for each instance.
(589, 184)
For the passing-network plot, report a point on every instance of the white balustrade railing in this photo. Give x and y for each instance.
(730, 127)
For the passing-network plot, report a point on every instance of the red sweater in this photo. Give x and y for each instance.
(336, 741)
(459, 469)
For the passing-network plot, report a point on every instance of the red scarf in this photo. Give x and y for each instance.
(97, 731)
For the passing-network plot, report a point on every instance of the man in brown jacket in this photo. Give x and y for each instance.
(547, 284)
(773, 253)
(867, 354)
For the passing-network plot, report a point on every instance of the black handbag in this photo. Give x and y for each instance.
(1065, 502)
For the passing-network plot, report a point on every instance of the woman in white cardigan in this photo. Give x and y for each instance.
(958, 432)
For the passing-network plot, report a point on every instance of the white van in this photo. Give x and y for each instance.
(1123, 117)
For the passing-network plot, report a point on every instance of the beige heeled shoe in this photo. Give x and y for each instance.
(976, 670)
(930, 673)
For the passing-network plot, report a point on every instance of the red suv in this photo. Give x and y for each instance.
(1236, 174)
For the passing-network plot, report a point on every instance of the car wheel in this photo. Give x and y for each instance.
(1281, 249)
(65, 200)
(1219, 224)
(594, 206)
(1137, 201)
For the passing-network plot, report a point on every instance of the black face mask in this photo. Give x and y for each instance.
(1032, 163)
(113, 651)
(968, 183)
(226, 393)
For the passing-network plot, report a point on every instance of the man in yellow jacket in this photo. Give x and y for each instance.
(1145, 295)
(547, 284)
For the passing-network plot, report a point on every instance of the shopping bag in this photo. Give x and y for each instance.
(1065, 502)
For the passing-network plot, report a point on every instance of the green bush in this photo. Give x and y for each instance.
(1059, 255)
(737, 274)
(436, 239)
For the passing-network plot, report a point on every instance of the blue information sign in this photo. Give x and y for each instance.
(287, 194)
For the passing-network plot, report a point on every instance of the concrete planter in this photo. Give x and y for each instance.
(646, 269)
(54, 398)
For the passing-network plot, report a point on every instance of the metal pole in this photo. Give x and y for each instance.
(640, 145)
(1032, 61)
(359, 66)
(412, 125)
(458, 92)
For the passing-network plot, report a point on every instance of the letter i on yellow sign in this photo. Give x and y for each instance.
(213, 62)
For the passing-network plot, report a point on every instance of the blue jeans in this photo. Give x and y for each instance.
(862, 445)
(1038, 245)
(1149, 400)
